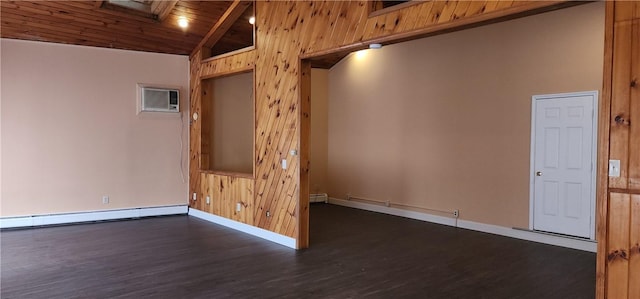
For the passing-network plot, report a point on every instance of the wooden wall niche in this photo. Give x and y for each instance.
(228, 122)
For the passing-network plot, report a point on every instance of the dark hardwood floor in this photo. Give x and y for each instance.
(354, 254)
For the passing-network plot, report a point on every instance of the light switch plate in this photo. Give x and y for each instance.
(284, 163)
(614, 168)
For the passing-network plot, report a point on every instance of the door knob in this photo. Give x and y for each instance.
(538, 173)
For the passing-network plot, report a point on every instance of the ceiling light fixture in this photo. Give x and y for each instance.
(375, 46)
(183, 22)
(252, 20)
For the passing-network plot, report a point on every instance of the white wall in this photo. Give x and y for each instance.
(70, 132)
(444, 122)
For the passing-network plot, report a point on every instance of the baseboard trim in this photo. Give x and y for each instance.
(584, 245)
(68, 218)
(245, 228)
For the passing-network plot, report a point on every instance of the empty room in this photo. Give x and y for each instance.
(319, 149)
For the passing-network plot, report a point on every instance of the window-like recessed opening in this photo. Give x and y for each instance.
(139, 5)
(377, 6)
(228, 123)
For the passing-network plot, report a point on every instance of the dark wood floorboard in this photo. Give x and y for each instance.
(354, 254)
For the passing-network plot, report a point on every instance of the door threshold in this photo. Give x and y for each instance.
(554, 234)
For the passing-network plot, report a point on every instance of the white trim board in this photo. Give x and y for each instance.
(585, 245)
(245, 228)
(52, 219)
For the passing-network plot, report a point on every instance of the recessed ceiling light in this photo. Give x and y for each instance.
(252, 20)
(183, 22)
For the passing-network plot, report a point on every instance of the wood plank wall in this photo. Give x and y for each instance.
(287, 31)
(619, 209)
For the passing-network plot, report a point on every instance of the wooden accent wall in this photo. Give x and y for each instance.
(287, 32)
(619, 208)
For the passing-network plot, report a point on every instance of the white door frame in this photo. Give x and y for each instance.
(594, 153)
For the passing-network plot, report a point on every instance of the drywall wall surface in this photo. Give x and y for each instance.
(444, 122)
(71, 133)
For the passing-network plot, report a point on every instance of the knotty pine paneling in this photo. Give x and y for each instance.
(225, 192)
(634, 247)
(618, 246)
(604, 117)
(109, 26)
(634, 106)
(619, 222)
(285, 32)
(620, 105)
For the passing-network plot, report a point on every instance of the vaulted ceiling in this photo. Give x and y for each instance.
(140, 25)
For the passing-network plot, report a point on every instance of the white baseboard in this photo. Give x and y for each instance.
(585, 245)
(394, 211)
(52, 219)
(245, 228)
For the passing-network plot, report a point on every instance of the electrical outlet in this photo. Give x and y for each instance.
(105, 199)
(268, 214)
(456, 213)
(284, 163)
(238, 207)
(348, 196)
(194, 196)
(208, 200)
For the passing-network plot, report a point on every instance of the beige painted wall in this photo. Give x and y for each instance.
(233, 124)
(444, 122)
(70, 132)
(318, 144)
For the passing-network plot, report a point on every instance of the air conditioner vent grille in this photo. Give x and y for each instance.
(153, 99)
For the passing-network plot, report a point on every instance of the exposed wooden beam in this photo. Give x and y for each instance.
(235, 10)
(162, 8)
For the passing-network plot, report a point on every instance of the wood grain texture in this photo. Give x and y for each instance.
(604, 119)
(235, 10)
(184, 257)
(206, 119)
(620, 105)
(305, 129)
(634, 107)
(618, 246)
(287, 31)
(106, 25)
(634, 248)
(618, 223)
(162, 8)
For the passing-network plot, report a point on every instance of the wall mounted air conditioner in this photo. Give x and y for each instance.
(158, 99)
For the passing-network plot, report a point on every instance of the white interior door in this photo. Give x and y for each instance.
(563, 144)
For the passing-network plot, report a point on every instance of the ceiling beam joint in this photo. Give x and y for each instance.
(235, 10)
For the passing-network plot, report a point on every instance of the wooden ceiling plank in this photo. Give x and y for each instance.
(162, 8)
(147, 38)
(235, 10)
(43, 27)
(108, 27)
(150, 24)
(90, 23)
(73, 36)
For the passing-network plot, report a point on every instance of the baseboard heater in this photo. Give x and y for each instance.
(320, 197)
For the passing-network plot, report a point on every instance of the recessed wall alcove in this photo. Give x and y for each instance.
(228, 124)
